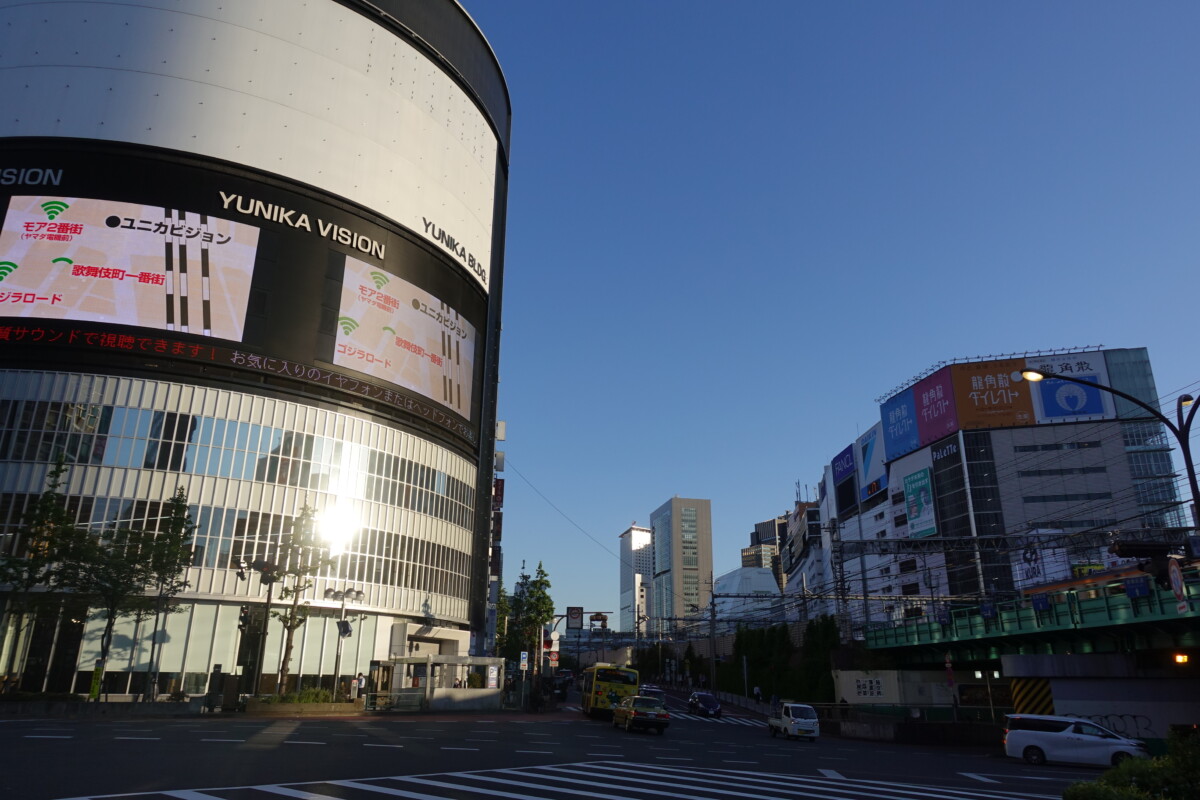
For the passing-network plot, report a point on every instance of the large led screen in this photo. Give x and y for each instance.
(390, 329)
(88, 260)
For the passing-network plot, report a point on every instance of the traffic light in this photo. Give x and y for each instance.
(244, 618)
(269, 572)
(344, 629)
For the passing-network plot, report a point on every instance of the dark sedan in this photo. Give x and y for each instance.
(704, 704)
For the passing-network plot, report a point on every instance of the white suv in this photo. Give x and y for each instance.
(1039, 739)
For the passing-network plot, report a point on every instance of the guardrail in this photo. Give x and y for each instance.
(1072, 609)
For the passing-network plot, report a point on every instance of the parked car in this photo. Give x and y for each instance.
(704, 704)
(639, 711)
(1039, 738)
(794, 719)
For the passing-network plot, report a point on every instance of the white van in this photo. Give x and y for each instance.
(1038, 739)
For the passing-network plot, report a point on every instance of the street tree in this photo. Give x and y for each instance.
(170, 556)
(532, 609)
(27, 569)
(300, 561)
(110, 569)
(503, 613)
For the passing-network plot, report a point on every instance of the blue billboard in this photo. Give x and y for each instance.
(899, 418)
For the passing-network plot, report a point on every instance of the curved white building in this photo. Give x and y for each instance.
(254, 249)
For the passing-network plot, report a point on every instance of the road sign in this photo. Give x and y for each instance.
(553, 656)
(524, 660)
(1175, 574)
(575, 617)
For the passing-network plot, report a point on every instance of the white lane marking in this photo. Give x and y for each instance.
(46, 736)
(538, 752)
(137, 738)
(368, 744)
(832, 773)
(222, 740)
(976, 777)
(468, 749)
(297, 741)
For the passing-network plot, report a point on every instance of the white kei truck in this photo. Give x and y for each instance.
(794, 720)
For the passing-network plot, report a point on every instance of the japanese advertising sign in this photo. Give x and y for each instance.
(75, 258)
(899, 417)
(869, 449)
(992, 394)
(918, 499)
(392, 330)
(934, 401)
(1065, 401)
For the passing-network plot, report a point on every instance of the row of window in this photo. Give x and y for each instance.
(228, 537)
(1077, 497)
(117, 436)
(1050, 473)
(1036, 448)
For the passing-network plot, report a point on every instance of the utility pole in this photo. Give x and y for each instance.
(712, 642)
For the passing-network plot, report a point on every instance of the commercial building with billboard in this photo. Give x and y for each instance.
(255, 250)
(987, 479)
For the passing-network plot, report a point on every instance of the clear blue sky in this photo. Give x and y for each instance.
(731, 227)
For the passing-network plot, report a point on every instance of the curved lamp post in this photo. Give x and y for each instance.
(1180, 429)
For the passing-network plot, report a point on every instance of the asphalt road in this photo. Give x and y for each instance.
(553, 755)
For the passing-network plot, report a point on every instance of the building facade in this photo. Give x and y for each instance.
(682, 533)
(258, 247)
(976, 484)
(637, 576)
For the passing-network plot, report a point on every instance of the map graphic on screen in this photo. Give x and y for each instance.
(104, 261)
(392, 330)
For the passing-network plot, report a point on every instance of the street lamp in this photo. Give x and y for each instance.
(1181, 429)
(344, 630)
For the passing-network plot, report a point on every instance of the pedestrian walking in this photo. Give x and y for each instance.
(757, 695)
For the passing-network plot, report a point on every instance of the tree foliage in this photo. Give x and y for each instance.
(299, 562)
(530, 609)
(28, 568)
(503, 613)
(117, 571)
(169, 559)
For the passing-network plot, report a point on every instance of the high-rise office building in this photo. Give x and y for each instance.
(682, 530)
(637, 575)
(766, 541)
(257, 247)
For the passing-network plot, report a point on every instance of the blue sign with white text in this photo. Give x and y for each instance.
(899, 417)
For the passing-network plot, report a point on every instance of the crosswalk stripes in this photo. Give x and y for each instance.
(611, 780)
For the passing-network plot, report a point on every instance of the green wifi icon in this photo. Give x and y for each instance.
(380, 278)
(6, 268)
(349, 324)
(54, 207)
